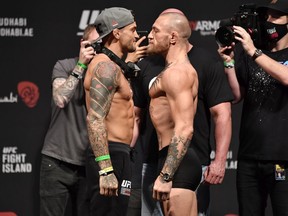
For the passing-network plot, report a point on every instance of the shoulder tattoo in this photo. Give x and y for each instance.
(103, 86)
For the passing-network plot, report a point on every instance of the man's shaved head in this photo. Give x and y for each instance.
(172, 10)
(175, 20)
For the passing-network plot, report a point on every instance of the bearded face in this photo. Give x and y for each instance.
(159, 38)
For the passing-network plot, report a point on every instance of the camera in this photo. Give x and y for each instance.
(97, 46)
(248, 18)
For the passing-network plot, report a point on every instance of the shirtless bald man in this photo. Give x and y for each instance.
(172, 108)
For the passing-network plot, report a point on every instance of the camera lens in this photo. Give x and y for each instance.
(224, 36)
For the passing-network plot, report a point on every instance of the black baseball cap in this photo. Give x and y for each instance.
(278, 5)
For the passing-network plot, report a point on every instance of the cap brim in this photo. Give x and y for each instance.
(273, 7)
(102, 36)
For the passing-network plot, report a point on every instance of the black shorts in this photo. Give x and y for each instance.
(103, 205)
(189, 172)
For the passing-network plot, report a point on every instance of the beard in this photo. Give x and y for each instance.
(131, 48)
(159, 49)
(128, 47)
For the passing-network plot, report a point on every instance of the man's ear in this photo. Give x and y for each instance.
(174, 37)
(116, 33)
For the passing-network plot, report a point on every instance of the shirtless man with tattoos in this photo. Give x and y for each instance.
(110, 116)
(172, 108)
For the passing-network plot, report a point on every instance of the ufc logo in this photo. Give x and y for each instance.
(126, 184)
(87, 17)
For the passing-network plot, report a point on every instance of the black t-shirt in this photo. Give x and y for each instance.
(264, 121)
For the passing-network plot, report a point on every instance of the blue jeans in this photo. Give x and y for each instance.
(60, 183)
(255, 181)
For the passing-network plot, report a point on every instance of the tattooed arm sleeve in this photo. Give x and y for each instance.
(102, 89)
(182, 112)
(64, 89)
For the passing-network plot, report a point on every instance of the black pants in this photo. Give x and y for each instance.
(59, 183)
(255, 181)
(117, 205)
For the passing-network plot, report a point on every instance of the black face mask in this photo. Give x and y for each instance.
(274, 31)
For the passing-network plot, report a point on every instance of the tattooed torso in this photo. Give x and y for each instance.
(109, 103)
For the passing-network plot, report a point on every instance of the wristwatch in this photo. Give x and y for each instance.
(256, 54)
(76, 75)
(165, 177)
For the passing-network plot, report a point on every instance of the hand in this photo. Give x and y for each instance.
(140, 52)
(227, 52)
(215, 172)
(86, 53)
(108, 185)
(247, 43)
(161, 189)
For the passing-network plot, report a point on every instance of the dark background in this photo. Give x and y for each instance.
(56, 27)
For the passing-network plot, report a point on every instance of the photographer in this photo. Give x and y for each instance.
(63, 184)
(262, 82)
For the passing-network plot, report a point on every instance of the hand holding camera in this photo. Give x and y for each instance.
(86, 52)
(244, 37)
(226, 52)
